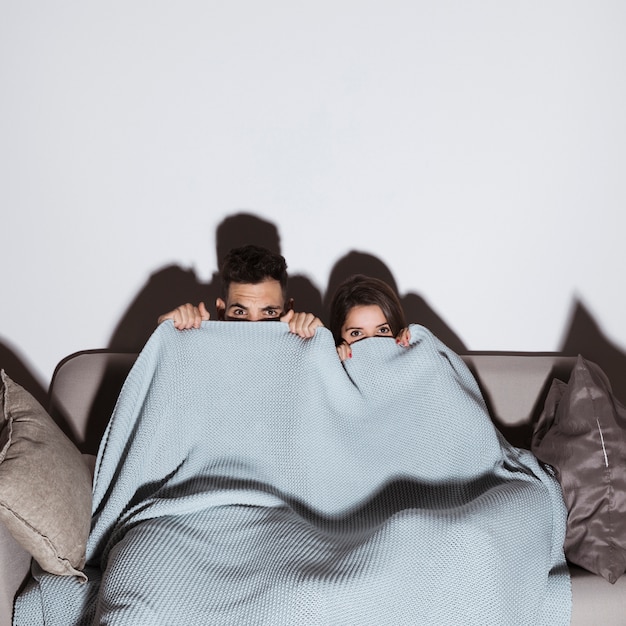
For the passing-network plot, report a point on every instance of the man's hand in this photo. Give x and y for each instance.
(187, 316)
(301, 324)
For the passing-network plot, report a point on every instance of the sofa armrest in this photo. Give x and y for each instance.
(14, 569)
(595, 600)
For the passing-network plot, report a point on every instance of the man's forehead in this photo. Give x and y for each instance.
(266, 293)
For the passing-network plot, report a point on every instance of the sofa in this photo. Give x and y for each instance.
(85, 386)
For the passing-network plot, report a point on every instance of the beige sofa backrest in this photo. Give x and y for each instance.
(515, 387)
(83, 391)
(85, 386)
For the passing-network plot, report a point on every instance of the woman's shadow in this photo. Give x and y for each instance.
(416, 309)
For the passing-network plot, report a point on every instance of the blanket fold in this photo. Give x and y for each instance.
(247, 476)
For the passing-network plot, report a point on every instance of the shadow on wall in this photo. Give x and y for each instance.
(171, 286)
(416, 309)
(585, 337)
(17, 370)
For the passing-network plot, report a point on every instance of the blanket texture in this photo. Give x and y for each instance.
(247, 476)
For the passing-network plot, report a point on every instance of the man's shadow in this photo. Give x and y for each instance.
(416, 309)
(172, 286)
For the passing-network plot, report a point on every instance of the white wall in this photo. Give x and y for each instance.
(478, 149)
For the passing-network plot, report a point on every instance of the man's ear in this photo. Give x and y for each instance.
(220, 305)
(289, 305)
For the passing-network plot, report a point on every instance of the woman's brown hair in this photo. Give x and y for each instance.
(360, 290)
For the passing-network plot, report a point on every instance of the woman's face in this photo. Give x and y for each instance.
(365, 321)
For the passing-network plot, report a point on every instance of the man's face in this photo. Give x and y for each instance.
(252, 302)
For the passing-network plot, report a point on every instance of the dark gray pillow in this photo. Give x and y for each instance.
(581, 433)
(45, 485)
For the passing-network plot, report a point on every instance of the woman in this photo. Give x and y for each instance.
(366, 307)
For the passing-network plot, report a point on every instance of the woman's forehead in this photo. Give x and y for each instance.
(365, 315)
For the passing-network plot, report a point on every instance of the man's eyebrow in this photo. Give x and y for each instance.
(236, 305)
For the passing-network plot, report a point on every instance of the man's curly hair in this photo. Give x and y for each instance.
(252, 265)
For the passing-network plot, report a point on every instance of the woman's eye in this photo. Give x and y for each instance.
(355, 333)
(385, 330)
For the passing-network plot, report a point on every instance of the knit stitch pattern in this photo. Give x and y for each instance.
(247, 476)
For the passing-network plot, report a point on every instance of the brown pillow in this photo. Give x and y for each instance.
(582, 435)
(45, 485)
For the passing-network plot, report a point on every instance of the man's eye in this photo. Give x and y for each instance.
(239, 312)
(271, 313)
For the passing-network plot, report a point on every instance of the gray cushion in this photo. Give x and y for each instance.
(582, 435)
(45, 485)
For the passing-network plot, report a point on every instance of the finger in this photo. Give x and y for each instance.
(195, 317)
(313, 323)
(344, 351)
(203, 312)
(297, 324)
(316, 323)
(166, 316)
(305, 328)
(180, 318)
(185, 316)
(302, 324)
(404, 337)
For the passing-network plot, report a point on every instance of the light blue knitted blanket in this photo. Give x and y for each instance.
(247, 476)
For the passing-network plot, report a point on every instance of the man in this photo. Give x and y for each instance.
(254, 288)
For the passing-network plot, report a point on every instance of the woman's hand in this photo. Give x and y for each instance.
(344, 351)
(404, 337)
